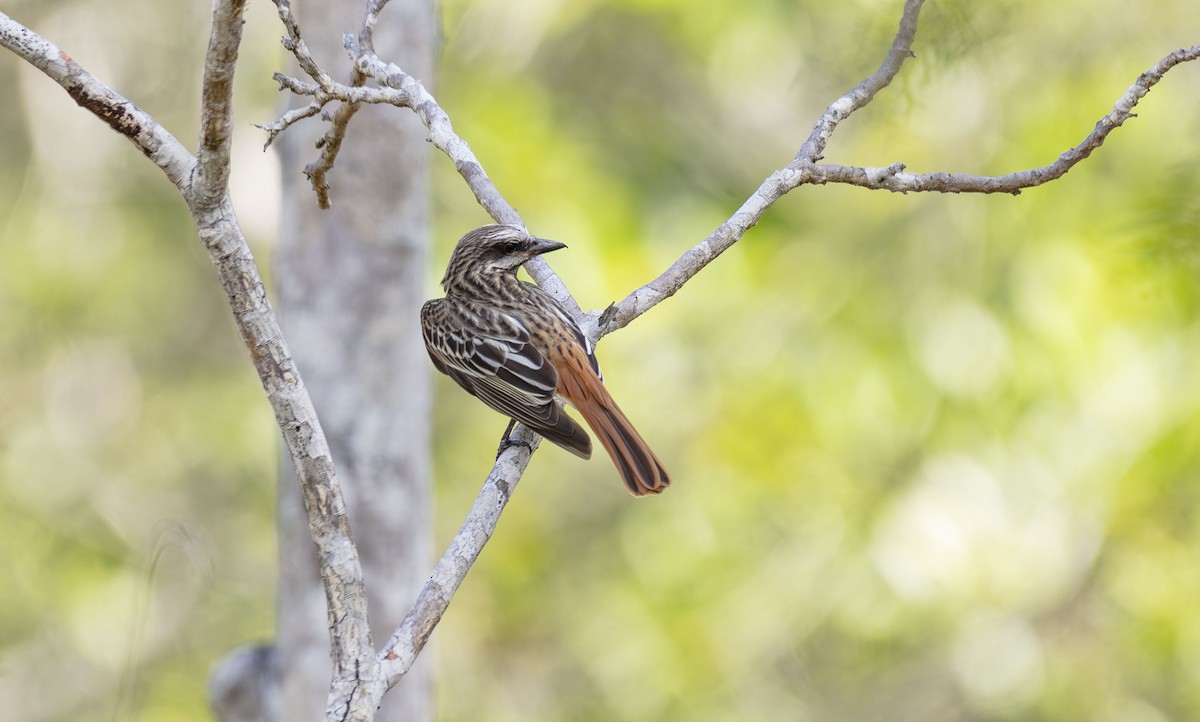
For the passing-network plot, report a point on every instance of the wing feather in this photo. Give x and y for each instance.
(490, 354)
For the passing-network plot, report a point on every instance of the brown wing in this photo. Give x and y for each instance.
(490, 355)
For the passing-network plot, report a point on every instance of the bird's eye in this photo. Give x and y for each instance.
(510, 247)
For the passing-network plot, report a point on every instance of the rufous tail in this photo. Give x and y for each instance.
(641, 470)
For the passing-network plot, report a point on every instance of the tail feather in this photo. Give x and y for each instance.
(579, 384)
(641, 470)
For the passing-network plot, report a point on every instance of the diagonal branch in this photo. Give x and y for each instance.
(339, 565)
(162, 148)
(404, 91)
(410, 637)
(863, 93)
(413, 95)
(772, 189)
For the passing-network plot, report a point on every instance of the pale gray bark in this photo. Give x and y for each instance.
(350, 282)
(379, 251)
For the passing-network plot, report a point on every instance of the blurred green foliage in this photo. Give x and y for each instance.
(935, 457)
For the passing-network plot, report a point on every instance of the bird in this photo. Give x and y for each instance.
(515, 348)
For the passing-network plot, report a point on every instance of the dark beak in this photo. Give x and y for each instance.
(544, 245)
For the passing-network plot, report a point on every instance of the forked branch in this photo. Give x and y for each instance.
(805, 170)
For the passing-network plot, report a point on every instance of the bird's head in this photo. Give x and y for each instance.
(495, 249)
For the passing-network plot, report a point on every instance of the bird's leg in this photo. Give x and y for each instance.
(506, 440)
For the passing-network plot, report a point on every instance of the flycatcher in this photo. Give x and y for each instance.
(512, 346)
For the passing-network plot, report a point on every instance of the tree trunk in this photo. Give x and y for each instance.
(350, 283)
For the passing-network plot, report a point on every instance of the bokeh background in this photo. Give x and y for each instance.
(935, 457)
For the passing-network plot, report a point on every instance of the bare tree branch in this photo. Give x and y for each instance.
(207, 195)
(331, 143)
(352, 652)
(216, 101)
(863, 93)
(893, 178)
(404, 91)
(804, 169)
(102, 101)
(286, 120)
(366, 34)
(295, 44)
(410, 637)
(441, 131)
(773, 188)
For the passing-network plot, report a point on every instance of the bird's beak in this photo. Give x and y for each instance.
(544, 245)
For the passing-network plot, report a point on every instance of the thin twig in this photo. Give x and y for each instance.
(331, 143)
(894, 179)
(772, 189)
(366, 34)
(863, 93)
(294, 43)
(285, 121)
